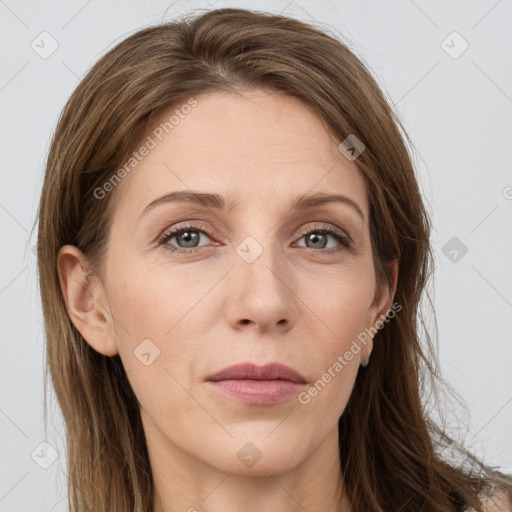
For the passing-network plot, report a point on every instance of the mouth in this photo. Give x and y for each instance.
(257, 385)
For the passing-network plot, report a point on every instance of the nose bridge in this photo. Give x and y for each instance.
(260, 291)
(260, 262)
(258, 247)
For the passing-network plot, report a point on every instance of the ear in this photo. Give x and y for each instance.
(382, 302)
(86, 301)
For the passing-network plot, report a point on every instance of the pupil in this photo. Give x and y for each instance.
(189, 238)
(315, 238)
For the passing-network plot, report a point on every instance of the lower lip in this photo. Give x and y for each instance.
(257, 392)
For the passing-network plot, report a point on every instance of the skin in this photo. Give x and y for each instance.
(298, 303)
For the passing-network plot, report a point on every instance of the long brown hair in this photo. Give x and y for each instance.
(389, 447)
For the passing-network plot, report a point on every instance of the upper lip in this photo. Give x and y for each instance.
(271, 371)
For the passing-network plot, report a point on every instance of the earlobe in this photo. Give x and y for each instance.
(393, 278)
(380, 307)
(385, 302)
(85, 300)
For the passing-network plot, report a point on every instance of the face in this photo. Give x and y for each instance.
(192, 287)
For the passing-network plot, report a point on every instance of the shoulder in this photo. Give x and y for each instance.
(499, 501)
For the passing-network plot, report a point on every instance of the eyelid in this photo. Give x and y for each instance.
(330, 229)
(196, 225)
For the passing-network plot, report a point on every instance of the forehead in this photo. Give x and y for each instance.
(261, 146)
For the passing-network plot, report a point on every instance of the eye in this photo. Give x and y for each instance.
(187, 238)
(317, 238)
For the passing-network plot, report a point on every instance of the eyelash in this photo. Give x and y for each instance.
(335, 233)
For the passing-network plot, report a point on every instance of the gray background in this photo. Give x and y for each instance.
(456, 107)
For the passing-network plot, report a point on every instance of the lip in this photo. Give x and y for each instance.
(257, 385)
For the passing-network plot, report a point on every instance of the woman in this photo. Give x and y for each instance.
(232, 250)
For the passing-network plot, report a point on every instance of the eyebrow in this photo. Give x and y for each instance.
(217, 202)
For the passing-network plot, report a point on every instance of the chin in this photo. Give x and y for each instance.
(258, 457)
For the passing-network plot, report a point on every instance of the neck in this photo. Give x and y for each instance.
(182, 482)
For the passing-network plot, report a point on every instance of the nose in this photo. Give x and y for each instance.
(261, 293)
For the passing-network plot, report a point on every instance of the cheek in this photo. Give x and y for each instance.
(160, 330)
(155, 349)
(343, 309)
(152, 303)
(342, 302)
